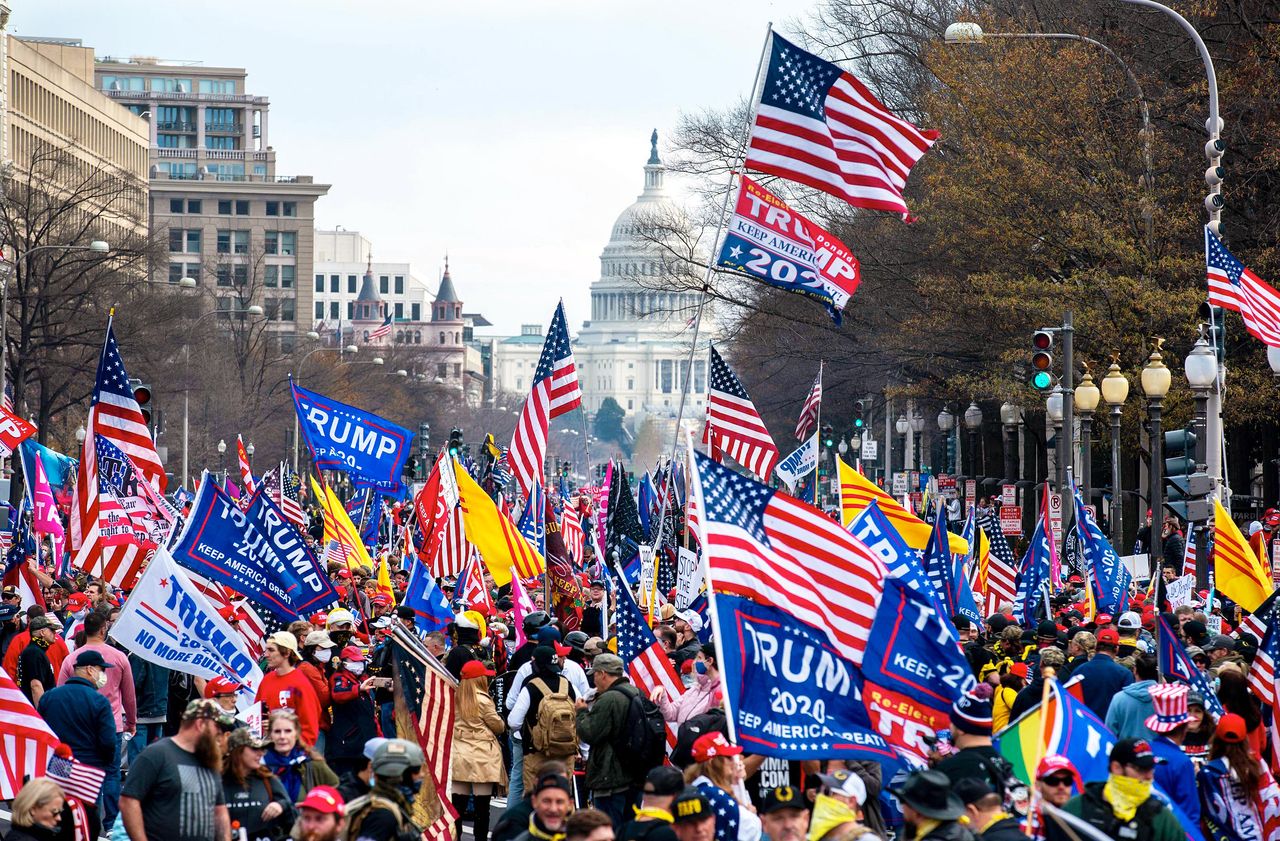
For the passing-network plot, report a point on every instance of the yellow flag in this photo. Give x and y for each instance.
(857, 492)
(1237, 570)
(384, 579)
(499, 542)
(338, 526)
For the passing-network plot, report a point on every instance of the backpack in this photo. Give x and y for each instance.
(642, 742)
(359, 808)
(555, 731)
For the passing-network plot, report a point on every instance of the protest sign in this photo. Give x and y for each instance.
(688, 578)
(800, 463)
(1179, 591)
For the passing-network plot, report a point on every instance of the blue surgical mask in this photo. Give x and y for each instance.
(700, 667)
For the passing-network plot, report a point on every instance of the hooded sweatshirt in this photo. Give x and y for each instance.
(1129, 711)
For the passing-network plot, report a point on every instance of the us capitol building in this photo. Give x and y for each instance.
(635, 347)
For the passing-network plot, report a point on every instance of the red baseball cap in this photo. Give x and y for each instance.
(1053, 763)
(713, 744)
(475, 668)
(324, 799)
(319, 619)
(1109, 636)
(1231, 728)
(75, 601)
(344, 573)
(1019, 669)
(353, 653)
(220, 686)
(381, 600)
(1102, 619)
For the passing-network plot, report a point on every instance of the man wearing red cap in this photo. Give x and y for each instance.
(320, 815)
(1057, 780)
(1102, 676)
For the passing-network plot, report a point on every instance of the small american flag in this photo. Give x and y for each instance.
(735, 426)
(382, 330)
(76, 778)
(647, 663)
(290, 497)
(246, 473)
(808, 421)
(1234, 287)
(822, 127)
(470, 589)
(1189, 555)
(555, 392)
(26, 742)
(998, 566)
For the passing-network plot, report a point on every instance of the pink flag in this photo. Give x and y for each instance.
(45, 519)
(521, 606)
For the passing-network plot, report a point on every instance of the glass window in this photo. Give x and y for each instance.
(224, 242)
(287, 276)
(319, 283)
(319, 310)
(219, 142)
(351, 283)
(123, 83)
(224, 275)
(700, 375)
(666, 374)
(442, 370)
(176, 205)
(288, 310)
(288, 242)
(457, 369)
(177, 271)
(227, 172)
(241, 242)
(382, 284)
(194, 205)
(351, 310)
(260, 169)
(399, 311)
(399, 284)
(220, 119)
(334, 280)
(415, 312)
(241, 274)
(273, 208)
(290, 208)
(441, 337)
(271, 242)
(333, 310)
(217, 85)
(193, 241)
(224, 207)
(242, 207)
(171, 85)
(271, 276)
(175, 141)
(175, 239)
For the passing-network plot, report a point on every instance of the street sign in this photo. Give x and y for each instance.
(1008, 494)
(970, 490)
(899, 483)
(1011, 520)
(947, 486)
(916, 499)
(870, 449)
(914, 481)
(1055, 518)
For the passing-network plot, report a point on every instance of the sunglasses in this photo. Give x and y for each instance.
(1058, 781)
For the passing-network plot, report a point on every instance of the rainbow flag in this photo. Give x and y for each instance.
(1061, 725)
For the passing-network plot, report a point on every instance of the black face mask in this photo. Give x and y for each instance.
(340, 638)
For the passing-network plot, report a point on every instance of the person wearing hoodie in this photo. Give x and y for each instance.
(1127, 716)
(698, 698)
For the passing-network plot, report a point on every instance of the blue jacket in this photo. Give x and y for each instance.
(1130, 710)
(1176, 777)
(82, 718)
(1103, 680)
(151, 687)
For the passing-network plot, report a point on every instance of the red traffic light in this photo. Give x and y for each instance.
(142, 394)
(1042, 340)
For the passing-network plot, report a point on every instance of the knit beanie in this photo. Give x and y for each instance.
(971, 713)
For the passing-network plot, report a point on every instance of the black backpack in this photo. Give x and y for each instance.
(642, 744)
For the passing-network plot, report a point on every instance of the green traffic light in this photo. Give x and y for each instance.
(1041, 379)
(858, 422)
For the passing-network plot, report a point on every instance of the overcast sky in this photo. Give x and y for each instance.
(508, 133)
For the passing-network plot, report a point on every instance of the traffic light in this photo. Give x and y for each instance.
(1212, 317)
(455, 442)
(859, 414)
(1041, 359)
(142, 394)
(1187, 489)
(828, 436)
(424, 439)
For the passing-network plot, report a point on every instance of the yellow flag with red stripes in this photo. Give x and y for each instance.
(1237, 570)
(500, 543)
(338, 526)
(857, 492)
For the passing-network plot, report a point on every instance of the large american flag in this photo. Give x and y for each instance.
(555, 392)
(1234, 287)
(26, 742)
(997, 567)
(808, 421)
(114, 415)
(647, 663)
(766, 546)
(382, 330)
(821, 127)
(735, 426)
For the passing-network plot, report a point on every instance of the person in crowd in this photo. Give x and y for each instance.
(284, 687)
(601, 726)
(837, 808)
(652, 821)
(437, 644)
(316, 660)
(1195, 744)
(478, 772)
(699, 697)
(1102, 677)
(1238, 796)
(687, 625)
(545, 685)
(8, 625)
(784, 814)
(930, 809)
(515, 819)
(354, 720)
(1057, 780)
(1122, 806)
(975, 756)
(1175, 772)
(551, 798)
(36, 813)
(594, 611)
(1052, 661)
(358, 781)
(82, 719)
(222, 691)
(975, 651)
(470, 628)
(386, 813)
(984, 813)
(151, 693)
(35, 675)
(1128, 712)
(717, 765)
(1234, 693)
(256, 799)
(1080, 647)
(588, 825)
(321, 816)
(693, 819)
(292, 759)
(1012, 682)
(182, 770)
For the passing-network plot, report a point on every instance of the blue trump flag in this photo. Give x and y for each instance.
(256, 552)
(878, 534)
(370, 449)
(533, 519)
(430, 608)
(966, 602)
(1034, 579)
(1175, 663)
(1108, 577)
(938, 563)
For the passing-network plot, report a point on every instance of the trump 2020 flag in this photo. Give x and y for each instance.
(370, 449)
(799, 464)
(1108, 576)
(775, 244)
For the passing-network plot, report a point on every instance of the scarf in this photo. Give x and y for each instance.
(828, 813)
(538, 833)
(653, 814)
(1126, 794)
(288, 768)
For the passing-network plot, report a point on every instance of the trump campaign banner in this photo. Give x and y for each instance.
(800, 463)
(256, 552)
(168, 622)
(372, 450)
(13, 431)
(791, 692)
(771, 242)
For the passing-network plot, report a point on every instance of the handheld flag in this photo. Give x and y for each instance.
(1238, 571)
(808, 423)
(1175, 663)
(857, 492)
(246, 474)
(370, 449)
(533, 519)
(500, 543)
(735, 426)
(1109, 579)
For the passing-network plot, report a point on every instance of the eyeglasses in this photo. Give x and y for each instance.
(1058, 781)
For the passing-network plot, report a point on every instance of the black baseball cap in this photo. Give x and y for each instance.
(1135, 752)
(91, 658)
(783, 797)
(664, 781)
(691, 806)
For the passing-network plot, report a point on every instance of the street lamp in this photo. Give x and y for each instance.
(902, 426)
(1053, 408)
(1011, 418)
(1115, 390)
(249, 450)
(81, 433)
(973, 423)
(1086, 399)
(946, 423)
(1156, 380)
(1201, 367)
(916, 421)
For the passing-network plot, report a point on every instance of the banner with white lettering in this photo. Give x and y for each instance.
(256, 552)
(372, 450)
(13, 431)
(790, 692)
(800, 463)
(167, 621)
(771, 242)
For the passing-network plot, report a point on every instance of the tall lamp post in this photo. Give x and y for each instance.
(222, 453)
(1115, 390)
(1156, 380)
(1010, 417)
(917, 449)
(973, 423)
(902, 426)
(1086, 397)
(1201, 367)
(1053, 408)
(947, 423)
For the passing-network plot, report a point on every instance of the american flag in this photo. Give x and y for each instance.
(425, 692)
(1257, 623)
(26, 742)
(291, 497)
(1234, 287)
(382, 330)
(76, 778)
(571, 530)
(115, 416)
(808, 421)
(647, 663)
(1000, 565)
(820, 126)
(246, 473)
(726, 809)
(1189, 555)
(766, 546)
(736, 427)
(470, 589)
(445, 548)
(555, 392)
(533, 520)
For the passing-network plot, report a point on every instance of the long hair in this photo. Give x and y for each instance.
(718, 769)
(469, 692)
(231, 766)
(1240, 758)
(1233, 692)
(290, 715)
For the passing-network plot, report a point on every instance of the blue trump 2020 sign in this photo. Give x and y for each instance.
(372, 450)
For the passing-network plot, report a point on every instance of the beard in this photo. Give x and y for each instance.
(208, 750)
(319, 835)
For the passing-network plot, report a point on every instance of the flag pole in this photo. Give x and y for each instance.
(706, 278)
(817, 430)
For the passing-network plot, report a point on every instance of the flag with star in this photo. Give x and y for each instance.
(1232, 286)
(647, 664)
(555, 392)
(726, 809)
(1174, 663)
(822, 127)
(533, 519)
(735, 427)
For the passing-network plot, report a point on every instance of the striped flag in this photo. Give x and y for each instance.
(246, 474)
(735, 426)
(338, 527)
(382, 330)
(291, 497)
(445, 548)
(1001, 565)
(555, 392)
(1238, 572)
(1232, 286)
(820, 126)
(26, 742)
(1189, 555)
(808, 422)
(647, 663)
(857, 492)
(575, 540)
(766, 546)
(470, 589)
(76, 778)
(500, 543)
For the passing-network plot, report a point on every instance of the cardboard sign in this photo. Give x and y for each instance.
(1180, 590)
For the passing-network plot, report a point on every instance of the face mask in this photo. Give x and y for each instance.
(700, 667)
(356, 669)
(322, 655)
(340, 638)
(102, 679)
(1126, 794)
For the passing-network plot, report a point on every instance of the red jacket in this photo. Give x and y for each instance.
(295, 692)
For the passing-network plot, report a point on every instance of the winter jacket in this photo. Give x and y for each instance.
(949, 831)
(354, 720)
(1001, 704)
(81, 717)
(1154, 821)
(600, 726)
(1176, 777)
(1130, 710)
(477, 756)
(695, 701)
(320, 683)
(1006, 829)
(151, 689)
(1103, 678)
